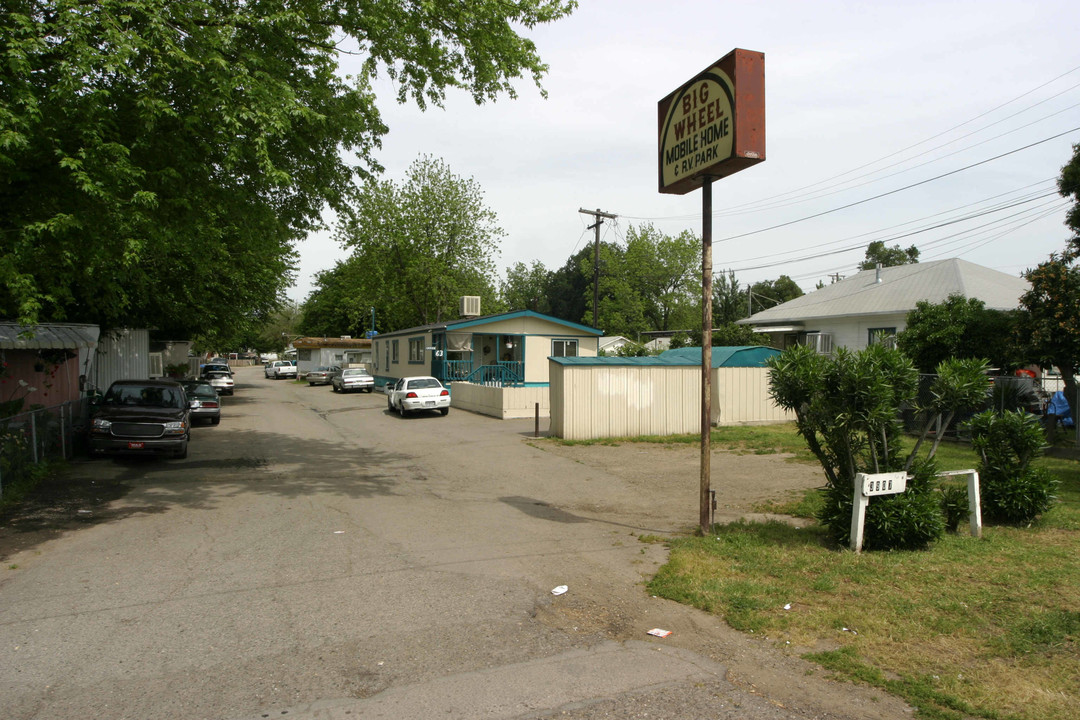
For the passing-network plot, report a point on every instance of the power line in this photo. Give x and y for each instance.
(731, 211)
(897, 190)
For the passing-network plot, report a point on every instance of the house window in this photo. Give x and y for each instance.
(885, 336)
(375, 355)
(564, 348)
(416, 350)
(303, 354)
(394, 345)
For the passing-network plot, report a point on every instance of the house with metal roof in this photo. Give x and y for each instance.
(872, 305)
(496, 364)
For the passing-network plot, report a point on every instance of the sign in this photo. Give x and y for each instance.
(867, 485)
(714, 125)
(883, 483)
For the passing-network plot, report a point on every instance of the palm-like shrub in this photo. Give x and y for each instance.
(1012, 490)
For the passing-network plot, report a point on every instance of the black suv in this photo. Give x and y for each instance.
(142, 417)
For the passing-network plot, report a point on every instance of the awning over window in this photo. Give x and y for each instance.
(56, 336)
(776, 328)
(459, 342)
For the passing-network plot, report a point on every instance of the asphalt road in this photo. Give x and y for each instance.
(318, 557)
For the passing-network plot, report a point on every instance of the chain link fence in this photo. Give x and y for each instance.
(39, 435)
(1008, 392)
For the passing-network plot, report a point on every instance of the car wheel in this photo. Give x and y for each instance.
(444, 411)
(389, 405)
(181, 454)
(215, 421)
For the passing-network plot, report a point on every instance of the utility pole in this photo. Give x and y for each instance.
(596, 257)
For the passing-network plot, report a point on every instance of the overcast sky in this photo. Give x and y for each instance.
(862, 99)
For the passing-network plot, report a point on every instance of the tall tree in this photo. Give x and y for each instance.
(876, 252)
(158, 159)
(729, 302)
(425, 243)
(767, 293)
(959, 327)
(526, 287)
(569, 286)
(1050, 323)
(662, 269)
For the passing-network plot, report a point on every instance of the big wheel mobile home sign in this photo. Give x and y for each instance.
(714, 125)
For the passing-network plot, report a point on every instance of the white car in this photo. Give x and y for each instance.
(351, 379)
(422, 392)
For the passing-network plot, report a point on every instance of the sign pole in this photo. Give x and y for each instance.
(705, 501)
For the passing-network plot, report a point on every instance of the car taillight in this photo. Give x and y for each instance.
(444, 393)
(411, 395)
(209, 404)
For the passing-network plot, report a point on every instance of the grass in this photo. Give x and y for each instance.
(983, 628)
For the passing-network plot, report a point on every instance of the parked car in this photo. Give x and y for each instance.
(322, 375)
(421, 392)
(351, 379)
(142, 417)
(203, 400)
(280, 369)
(220, 376)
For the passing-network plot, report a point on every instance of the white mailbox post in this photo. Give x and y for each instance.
(867, 485)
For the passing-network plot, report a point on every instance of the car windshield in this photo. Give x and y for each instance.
(215, 375)
(423, 383)
(354, 373)
(145, 396)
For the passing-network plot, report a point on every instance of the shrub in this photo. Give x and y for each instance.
(954, 506)
(1012, 490)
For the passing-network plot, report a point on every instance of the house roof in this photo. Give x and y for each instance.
(899, 289)
(749, 356)
(53, 336)
(462, 323)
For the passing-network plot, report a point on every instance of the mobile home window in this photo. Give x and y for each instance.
(886, 336)
(395, 352)
(564, 348)
(416, 350)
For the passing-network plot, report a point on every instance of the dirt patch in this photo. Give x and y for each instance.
(664, 479)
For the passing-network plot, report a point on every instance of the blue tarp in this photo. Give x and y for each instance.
(742, 356)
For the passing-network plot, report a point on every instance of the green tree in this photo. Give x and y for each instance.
(846, 408)
(767, 293)
(622, 304)
(876, 252)
(340, 303)
(959, 327)
(159, 159)
(1069, 186)
(527, 286)
(665, 273)
(423, 244)
(1049, 324)
(729, 302)
(569, 286)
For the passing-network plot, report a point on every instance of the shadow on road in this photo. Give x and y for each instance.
(84, 493)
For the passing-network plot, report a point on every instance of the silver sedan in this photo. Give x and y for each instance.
(351, 379)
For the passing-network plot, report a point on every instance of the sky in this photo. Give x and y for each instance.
(863, 99)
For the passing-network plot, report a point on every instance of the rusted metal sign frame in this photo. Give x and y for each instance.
(722, 131)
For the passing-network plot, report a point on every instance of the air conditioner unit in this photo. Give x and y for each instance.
(821, 342)
(470, 306)
(346, 337)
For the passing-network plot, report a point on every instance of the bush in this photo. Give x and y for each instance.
(954, 506)
(1012, 490)
(910, 520)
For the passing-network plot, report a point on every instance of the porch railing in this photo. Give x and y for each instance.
(501, 374)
